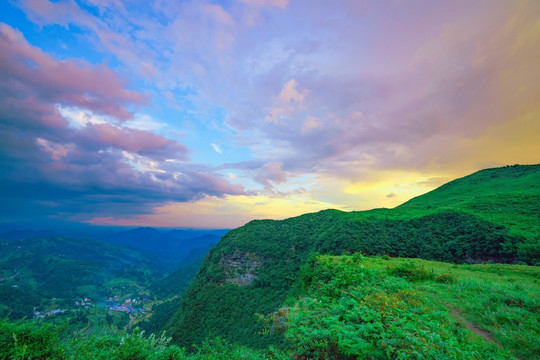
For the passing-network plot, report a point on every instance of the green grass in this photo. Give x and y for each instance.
(352, 307)
(507, 196)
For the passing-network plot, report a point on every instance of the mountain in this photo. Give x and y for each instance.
(489, 216)
(173, 245)
(169, 290)
(25, 234)
(53, 271)
(347, 307)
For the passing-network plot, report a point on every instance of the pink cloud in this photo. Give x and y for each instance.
(270, 173)
(266, 3)
(289, 100)
(57, 151)
(219, 14)
(73, 82)
(255, 7)
(134, 140)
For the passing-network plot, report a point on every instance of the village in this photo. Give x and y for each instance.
(113, 303)
(129, 305)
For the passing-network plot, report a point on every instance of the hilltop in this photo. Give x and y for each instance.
(489, 216)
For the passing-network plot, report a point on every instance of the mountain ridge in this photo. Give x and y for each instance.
(270, 253)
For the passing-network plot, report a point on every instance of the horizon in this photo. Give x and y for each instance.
(207, 115)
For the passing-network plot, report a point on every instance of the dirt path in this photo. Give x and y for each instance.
(469, 325)
(10, 277)
(128, 326)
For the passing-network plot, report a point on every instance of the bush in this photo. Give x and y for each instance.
(29, 341)
(446, 278)
(411, 272)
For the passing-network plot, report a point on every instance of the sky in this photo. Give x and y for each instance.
(209, 114)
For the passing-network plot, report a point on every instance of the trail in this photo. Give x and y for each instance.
(10, 277)
(128, 326)
(471, 326)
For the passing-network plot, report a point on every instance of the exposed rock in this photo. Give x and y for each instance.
(240, 268)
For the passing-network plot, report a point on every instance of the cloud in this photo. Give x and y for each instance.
(289, 100)
(96, 88)
(72, 147)
(216, 148)
(330, 91)
(218, 14)
(311, 123)
(270, 173)
(57, 151)
(255, 7)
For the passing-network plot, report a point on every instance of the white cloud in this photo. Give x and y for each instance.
(144, 122)
(216, 148)
(79, 118)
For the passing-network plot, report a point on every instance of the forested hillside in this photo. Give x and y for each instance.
(345, 308)
(252, 270)
(168, 291)
(51, 273)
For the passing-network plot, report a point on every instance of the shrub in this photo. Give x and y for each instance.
(447, 278)
(411, 272)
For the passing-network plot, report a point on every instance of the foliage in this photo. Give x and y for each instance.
(489, 216)
(28, 340)
(346, 307)
(370, 310)
(411, 272)
(35, 271)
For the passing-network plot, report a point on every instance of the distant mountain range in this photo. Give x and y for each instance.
(171, 245)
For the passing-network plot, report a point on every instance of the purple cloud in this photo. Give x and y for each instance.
(29, 69)
(52, 168)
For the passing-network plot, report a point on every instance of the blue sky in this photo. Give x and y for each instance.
(213, 113)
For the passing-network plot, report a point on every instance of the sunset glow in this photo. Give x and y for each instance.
(211, 114)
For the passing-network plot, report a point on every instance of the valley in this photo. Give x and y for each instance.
(450, 274)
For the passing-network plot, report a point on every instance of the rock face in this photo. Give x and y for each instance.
(240, 268)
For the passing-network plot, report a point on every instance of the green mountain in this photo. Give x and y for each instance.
(52, 272)
(489, 216)
(347, 307)
(169, 291)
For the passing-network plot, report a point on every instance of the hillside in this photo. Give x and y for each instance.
(52, 272)
(253, 269)
(169, 291)
(354, 307)
(348, 307)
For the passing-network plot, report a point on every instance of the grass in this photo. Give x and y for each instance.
(374, 307)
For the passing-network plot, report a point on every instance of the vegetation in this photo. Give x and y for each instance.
(469, 220)
(442, 276)
(28, 340)
(47, 273)
(347, 307)
(370, 308)
(169, 291)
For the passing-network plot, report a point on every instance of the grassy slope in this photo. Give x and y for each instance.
(375, 307)
(467, 220)
(507, 196)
